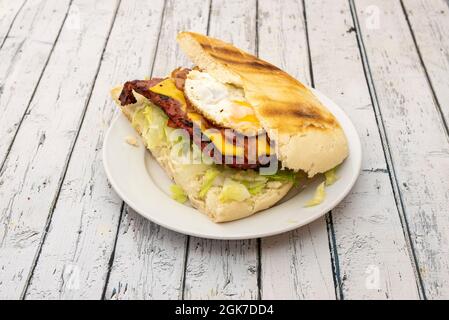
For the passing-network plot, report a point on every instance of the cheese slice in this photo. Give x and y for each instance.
(168, 88)
(225, 147)
(229, 149)
(197, 119)
(263, 147)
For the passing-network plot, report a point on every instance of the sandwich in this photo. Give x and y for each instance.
(235, 133)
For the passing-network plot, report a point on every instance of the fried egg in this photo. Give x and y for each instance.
(222, 104)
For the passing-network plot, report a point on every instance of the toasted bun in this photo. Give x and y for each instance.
(188, 177)
(308, 136)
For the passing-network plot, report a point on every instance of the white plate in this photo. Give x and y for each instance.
(144, 186)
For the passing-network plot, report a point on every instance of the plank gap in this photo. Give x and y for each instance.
(328, 218)
(386, 149)
(334, 257)
(8, 150)
(68, 159)
(12, 24)
(158, 38)
(111, 259)
(426, 73)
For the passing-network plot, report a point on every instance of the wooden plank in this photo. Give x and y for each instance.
(429, 21)
(415, 136)
(218, 269)
(74, 261)
(24, 56)
(295, 265)
(372, 251)
(149, 260)
(35, 166)
(8, 14)
(225, 269)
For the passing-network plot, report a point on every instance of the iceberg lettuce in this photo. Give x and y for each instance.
(285, 176)
(318, 197)
(208, 181)
(331, 177)
(233, 191)
(152, 122)
(177, 193)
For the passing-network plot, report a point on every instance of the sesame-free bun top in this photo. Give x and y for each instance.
(307, 135)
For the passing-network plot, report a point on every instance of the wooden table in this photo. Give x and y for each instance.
(65, 234)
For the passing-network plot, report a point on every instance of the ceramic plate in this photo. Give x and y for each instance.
(144, 186)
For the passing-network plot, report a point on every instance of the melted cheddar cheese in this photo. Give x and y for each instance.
(225, 147)
(168, 88)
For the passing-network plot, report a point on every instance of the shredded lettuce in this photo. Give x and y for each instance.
(152, 121)
(168, 132)
(155, 134)
(252, 180)
(208, 181)
(331, 177)
(284, 176)
(177, 193)
(246, 175)
(318, 197)
(138, 120)
(233, 191)
(180, 152)
(255, 187)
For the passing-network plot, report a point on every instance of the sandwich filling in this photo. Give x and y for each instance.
(206, 182)
(216, 114)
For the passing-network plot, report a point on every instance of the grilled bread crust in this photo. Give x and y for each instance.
(307, 135)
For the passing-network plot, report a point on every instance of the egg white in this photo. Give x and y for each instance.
(223, 104)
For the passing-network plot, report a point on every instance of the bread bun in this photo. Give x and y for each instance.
(307, 135)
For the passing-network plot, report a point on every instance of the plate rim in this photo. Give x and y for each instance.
(347, 187)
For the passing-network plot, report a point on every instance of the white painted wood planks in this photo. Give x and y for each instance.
(372, 250)
(416, 138)
(24, 55)
(429, 21)
(74, 262)
(35, 166)
(8, 14)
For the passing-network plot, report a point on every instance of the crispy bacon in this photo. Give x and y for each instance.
(170, 106)
(180, 76)
(178, 117)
